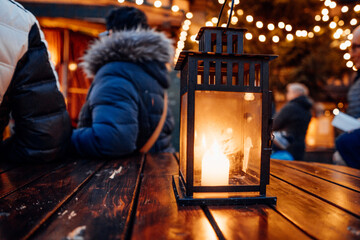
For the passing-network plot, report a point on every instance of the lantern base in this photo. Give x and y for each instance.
(182, 199)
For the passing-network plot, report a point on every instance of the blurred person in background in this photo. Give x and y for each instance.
(348, 143)
(291, 123)
(29, 91)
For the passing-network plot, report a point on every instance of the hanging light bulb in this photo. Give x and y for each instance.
(259, 24)
(345, 9)
(248, 36)
(290, 37)
(288, 27)
(271, 26)
(332, 25)
(175, 8)
(249, 18)
(275, 39)
(262, 38)
(157, 3)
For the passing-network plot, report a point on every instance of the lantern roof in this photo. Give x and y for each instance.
(184, 54)
(224, 30)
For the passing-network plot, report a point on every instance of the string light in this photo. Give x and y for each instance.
(281, 25)
(332, 25)
(175, 8)
(223, 25)
(332, 5)
(209, 24)
(289, 37)
(185, 27)
(259, 24)
(341, 23)
(121, 1)
(357, 8)
(275, 39)
(353, 21)
(221, 1)
(249, 18)
(345, 9)
(187, 22)
(189, 15)
(288, 27)
(248, 36)
(317, 28)
(157, 3)
(214, 20)
(262, 38)
(354, 68)
(325, 11)
(349, 64)
(271, 26)
(325, 18)
(193, 38)
(310, 34)
(343, 46)
(350, 36)
(139, 2)
(317, 18)
(240, 12)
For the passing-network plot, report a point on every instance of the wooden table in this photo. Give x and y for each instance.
(132, 198)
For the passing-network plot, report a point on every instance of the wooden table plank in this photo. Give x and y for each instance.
(344, 198)
(319, 219)
(101, 207)
(24, 174)
(324, 173)
(254, 222)
(344, 169)
(26, 209)
(158, 216)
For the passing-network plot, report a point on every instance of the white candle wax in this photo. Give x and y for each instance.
(215, 167)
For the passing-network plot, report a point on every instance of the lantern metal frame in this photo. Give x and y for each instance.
(218, 46)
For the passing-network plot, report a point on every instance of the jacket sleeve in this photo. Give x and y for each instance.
(114, 112)
(282, 117)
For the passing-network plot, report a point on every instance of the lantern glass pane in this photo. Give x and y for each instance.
(183, 134)
(227, 138)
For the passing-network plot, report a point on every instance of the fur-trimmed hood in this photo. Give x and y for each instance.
(138, 46)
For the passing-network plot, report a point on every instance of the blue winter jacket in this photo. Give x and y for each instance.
(125, 101)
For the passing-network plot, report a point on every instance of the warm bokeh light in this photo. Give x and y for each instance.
(325, 18)
(271, 26)
(353, 21)
(139, 2)
(317, 18)
(281, 25)
(341, 23)
(343, 46)
(121, 1)
(183, 33)
(189, 15)
(186, 27)
(345, 9)
(234, 20)
(336, 111)
(187, 22)
(240, 12)
(298, 33)
(262, 38)
(288, 27)
(349, 64)
(350, 36)
(221, 1)
(215, 20)
(337, 35)
(248, 36)
(72, 66)
(310, 34)
(175, 8)
(275, 39)
(347, 56)
(357, 8)
(325, 11)
(249, 18)
(317, 29)
(193, 38)
(157, 3)
(259, 24)
(209, 24)
(332, 25)
(290, 37)
(332, 5)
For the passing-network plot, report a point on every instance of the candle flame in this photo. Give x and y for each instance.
(215, 167)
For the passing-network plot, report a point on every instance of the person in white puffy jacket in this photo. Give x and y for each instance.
(29, 91)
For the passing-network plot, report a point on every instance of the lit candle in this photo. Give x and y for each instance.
(215, 167)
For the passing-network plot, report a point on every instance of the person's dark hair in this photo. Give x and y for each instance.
(126, 18)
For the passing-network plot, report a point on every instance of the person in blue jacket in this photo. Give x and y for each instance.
(126, 98)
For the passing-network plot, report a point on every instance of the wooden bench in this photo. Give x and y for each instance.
(132, 198)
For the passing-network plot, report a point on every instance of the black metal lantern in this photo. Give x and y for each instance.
(225, 125)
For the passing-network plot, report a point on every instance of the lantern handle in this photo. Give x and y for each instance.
(230, 15)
